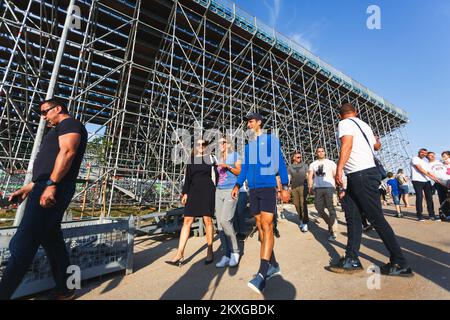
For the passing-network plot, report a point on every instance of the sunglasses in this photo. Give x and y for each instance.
(44, 112)
(201, 144)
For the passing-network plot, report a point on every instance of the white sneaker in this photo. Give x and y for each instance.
(234, 260)
(304, 228)
(225, 261)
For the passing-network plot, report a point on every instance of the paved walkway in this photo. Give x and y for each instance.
(302, 258)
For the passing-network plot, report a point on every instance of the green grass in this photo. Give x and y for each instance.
(7, 214)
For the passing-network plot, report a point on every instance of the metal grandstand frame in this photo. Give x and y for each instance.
(136, 71)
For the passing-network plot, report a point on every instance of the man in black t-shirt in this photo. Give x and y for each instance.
(49, 194)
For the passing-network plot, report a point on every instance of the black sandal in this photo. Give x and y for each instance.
(177, 263)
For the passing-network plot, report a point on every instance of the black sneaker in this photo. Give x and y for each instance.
(346, 265)
(396, 270)
(276, 232)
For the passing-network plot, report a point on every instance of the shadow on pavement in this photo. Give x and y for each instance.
(142, 259)
(277, 288)
(321, 235)
(429, 262)
(201, 282)
(195, 283)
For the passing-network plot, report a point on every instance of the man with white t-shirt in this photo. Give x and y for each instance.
(363, 179)
(321, 183)
(421, 180)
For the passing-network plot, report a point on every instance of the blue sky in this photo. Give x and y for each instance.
(407, 61)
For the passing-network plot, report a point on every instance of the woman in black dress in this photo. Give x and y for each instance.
(198, 196)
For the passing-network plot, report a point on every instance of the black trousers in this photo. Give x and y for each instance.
(442, 192)
(363, 196)
(39, 226)
(242, 214)
(420, 188)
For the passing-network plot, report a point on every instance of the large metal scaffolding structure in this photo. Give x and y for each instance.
(135, 71)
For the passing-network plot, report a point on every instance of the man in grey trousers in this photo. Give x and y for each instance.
(321, 183)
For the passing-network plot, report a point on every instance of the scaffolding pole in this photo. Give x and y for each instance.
(50, 91)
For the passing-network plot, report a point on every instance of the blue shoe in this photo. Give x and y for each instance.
(273, 271)
(257, 284)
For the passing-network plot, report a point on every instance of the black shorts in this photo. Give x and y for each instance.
(263, 199)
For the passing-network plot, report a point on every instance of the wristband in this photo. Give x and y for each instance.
(50, 182)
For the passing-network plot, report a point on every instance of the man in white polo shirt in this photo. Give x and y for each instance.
(421, 178)
(363, 179)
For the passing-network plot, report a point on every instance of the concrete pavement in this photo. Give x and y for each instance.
(302, 257)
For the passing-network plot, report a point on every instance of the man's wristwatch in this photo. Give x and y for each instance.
(285, 188)
(50, 182)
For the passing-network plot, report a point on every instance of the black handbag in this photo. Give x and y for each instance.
(378, 163)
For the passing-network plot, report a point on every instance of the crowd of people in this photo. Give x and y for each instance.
(356, 178)
(234, 187)
(428, 177)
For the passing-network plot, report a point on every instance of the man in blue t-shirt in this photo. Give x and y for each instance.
(263, 161)
(394, 189)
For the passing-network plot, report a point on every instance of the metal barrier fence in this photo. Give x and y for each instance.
(96, 247)
(168, 222)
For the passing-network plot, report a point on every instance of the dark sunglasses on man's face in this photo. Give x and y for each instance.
(44, 112)
(201, 144)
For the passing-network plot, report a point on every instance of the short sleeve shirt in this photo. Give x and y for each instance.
(361, 157)
(323, 173)
(227, 180)
(298, 174)
(439, 170)
(49, 149)
(416, 174)
(395, 190)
